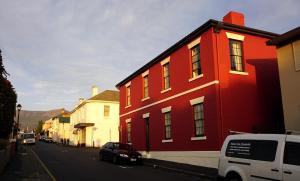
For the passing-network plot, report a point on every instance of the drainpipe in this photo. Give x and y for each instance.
(217, 30)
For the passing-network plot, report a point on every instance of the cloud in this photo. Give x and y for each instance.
(56, 50)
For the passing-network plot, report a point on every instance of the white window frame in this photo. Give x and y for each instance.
(193, 102)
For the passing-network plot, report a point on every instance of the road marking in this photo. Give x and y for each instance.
(125, 167)
(43, 165)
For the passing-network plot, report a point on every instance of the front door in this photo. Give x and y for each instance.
(147, 135)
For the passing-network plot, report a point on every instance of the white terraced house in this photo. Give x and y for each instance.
(95, 121)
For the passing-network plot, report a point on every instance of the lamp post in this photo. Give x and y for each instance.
(19, 107)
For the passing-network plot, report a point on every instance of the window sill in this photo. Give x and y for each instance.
(146, 98)
(198, 138)
(166, 90)
(237, 72)
(194, 78)
(128, 106)
(167, 141)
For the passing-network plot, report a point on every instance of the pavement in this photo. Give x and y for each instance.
(25, 166)
(202, 172)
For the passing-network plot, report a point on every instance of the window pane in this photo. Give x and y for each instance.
(196, 67)
(198, 119)
(263, 150)
(167, 125)
(291, 153)
(128, 95)
(236, 57)
(106, 110)
(128, 132)
(145, 93)
(166, 76)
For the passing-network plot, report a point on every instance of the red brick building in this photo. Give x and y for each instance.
(181, 105)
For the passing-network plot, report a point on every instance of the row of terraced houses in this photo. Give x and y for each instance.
(220, 79)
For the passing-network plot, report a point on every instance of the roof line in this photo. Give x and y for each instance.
(210, 23)
(286, 38)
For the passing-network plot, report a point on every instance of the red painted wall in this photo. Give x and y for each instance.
(239, 102)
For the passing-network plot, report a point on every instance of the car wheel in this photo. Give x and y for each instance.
(233, 177)
(115, 160)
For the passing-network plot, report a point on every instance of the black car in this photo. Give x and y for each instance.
(119, 153)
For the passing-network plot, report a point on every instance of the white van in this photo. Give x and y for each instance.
(28, 138)
(251, 157)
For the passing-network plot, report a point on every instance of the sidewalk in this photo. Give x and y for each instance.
(24, 166)
(203, 172)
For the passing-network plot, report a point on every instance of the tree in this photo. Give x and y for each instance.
(8, 100)
(39, 128)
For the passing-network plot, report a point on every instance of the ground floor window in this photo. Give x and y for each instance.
(128, 132)
(167, 116)
(198, 119)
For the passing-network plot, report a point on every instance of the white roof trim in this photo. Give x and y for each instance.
(145, 73)
(166, 60)
(197, 100)
(194, 43)
(128, 84)
(235, 36)
(166, 109)
(146, 115)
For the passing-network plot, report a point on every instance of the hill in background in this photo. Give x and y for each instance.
(29, 119)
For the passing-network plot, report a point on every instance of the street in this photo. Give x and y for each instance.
(58, 162)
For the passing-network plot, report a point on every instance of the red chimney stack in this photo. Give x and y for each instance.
(234, 18)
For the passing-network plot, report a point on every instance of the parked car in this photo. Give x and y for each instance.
(49, 140)
(27, 138)
(42, 138)
(246, 157)
(119, 153)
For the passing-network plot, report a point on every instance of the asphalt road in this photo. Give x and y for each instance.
(70, 163)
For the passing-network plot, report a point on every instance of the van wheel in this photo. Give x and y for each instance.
(233, 177)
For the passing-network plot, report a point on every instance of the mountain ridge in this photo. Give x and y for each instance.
(29, 119)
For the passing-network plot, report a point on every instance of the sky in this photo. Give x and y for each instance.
(56, 50)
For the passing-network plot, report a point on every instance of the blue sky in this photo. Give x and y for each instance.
(55, 50)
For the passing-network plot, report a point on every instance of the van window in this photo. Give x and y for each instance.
(28, 136)
(291, 153)
(263, 150)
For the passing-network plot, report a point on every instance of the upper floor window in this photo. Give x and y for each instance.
(166, 76)
(196, 66)
(145, 87)
(236, 55)
(106, 110)
(128, 103)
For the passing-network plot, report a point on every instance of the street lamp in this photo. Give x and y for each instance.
(19, 107)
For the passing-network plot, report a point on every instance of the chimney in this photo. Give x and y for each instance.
(94, 90)
(81, 100)
(234, 18)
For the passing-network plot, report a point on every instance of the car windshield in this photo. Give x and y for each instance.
(26, 136)
(122, 146)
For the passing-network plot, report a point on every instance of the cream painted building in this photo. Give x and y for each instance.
(58, 127)
(288, 54)
(95, 121)
(47, 125)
